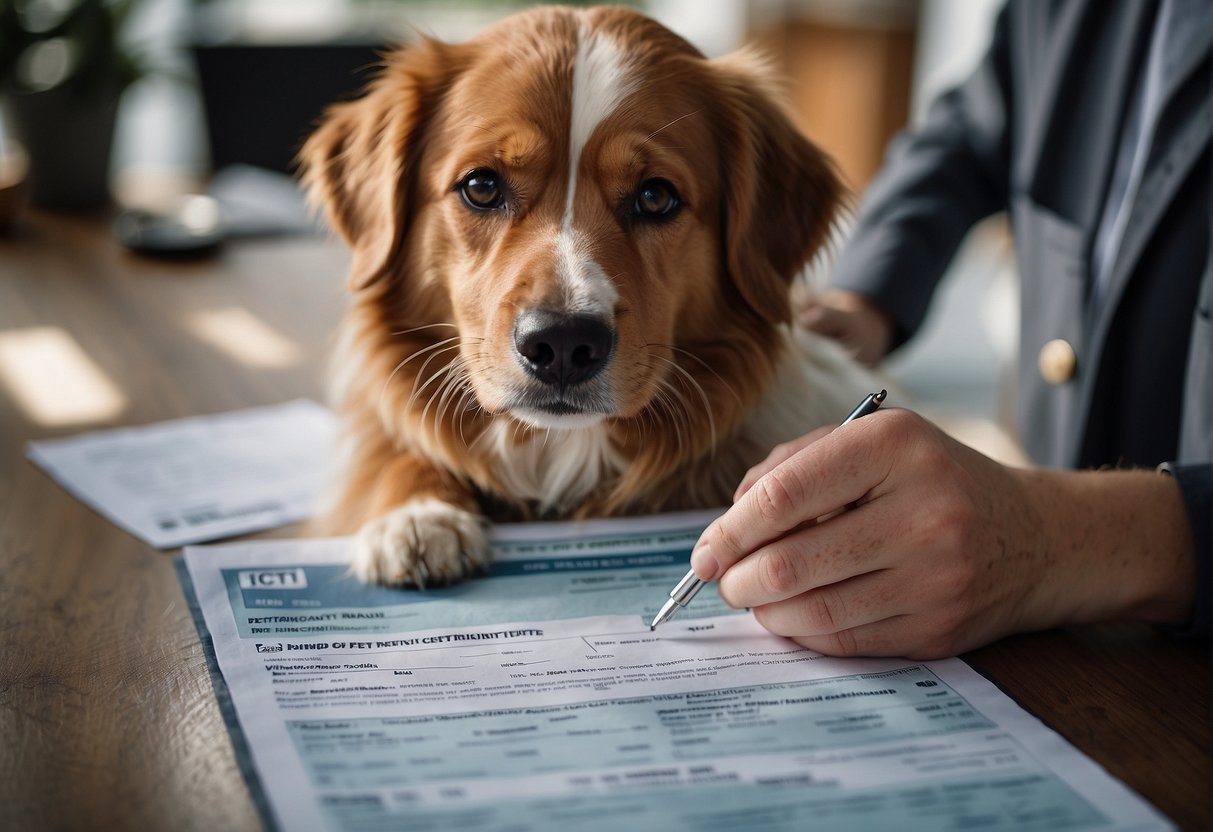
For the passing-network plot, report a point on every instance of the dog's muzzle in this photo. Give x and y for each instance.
(561, 350)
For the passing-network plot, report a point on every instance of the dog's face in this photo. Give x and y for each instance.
(586, 205)
(580, 223)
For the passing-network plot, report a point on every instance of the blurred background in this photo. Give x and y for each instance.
(134, 103)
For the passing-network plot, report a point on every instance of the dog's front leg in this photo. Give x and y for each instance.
(424, 529)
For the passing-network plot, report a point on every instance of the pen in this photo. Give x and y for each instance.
(690, 584)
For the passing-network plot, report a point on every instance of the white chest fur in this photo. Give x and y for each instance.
(556, 469)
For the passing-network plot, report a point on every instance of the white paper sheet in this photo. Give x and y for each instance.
(537, 698)
(200, 478)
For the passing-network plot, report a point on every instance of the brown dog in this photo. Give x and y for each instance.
(573, 238)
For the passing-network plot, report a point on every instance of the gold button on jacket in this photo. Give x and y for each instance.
(1058, 361)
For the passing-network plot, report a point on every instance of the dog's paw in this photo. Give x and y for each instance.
(425, 542)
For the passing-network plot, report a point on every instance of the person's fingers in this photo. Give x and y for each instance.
(818, 480)
(880, 638)
(822, 319)
(855, 321)
(777, 455)
(851, 544)
(843, 605)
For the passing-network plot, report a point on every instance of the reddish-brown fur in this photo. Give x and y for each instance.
(701, 299)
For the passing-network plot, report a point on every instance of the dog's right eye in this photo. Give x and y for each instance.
(480, 190)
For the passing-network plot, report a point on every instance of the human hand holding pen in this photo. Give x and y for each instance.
(944, 549)
(686, 589)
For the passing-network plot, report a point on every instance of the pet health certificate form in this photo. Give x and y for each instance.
(537, 698)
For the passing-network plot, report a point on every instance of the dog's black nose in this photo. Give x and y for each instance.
(562, 350)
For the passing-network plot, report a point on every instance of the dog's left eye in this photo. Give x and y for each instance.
(656, 199)
(481, 190)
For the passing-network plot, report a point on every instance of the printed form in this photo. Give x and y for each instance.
(537, 698)
(201, 478)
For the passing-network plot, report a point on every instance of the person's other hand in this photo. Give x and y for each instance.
(944, 549)
(862, 327)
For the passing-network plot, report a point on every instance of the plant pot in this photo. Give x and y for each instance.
(68, 140)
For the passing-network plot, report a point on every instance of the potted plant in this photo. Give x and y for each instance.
(63, 69)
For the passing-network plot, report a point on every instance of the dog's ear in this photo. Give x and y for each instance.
(781, 191)
(360, 163)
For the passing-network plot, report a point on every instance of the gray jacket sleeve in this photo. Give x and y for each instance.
(938, 180)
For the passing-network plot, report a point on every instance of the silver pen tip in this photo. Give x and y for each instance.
(664, 614)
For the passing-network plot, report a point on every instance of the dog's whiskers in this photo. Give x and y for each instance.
(428, 381)
(438, 393)
(703, 364)
(679, 398)
(410, 357)
(419, 328)
(486, 432)
(455, 386)
(464, 410)
(670, 124)
(517, 427)
(668, 398)
(471, 362)
(697, 387)
(449, 386)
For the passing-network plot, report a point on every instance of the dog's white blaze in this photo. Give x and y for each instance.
(602, 79)
(585, 287)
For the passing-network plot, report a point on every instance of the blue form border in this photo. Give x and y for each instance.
(244, 759)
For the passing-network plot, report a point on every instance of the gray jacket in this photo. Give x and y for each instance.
(1035, 132)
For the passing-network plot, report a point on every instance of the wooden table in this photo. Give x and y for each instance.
(107, 717)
